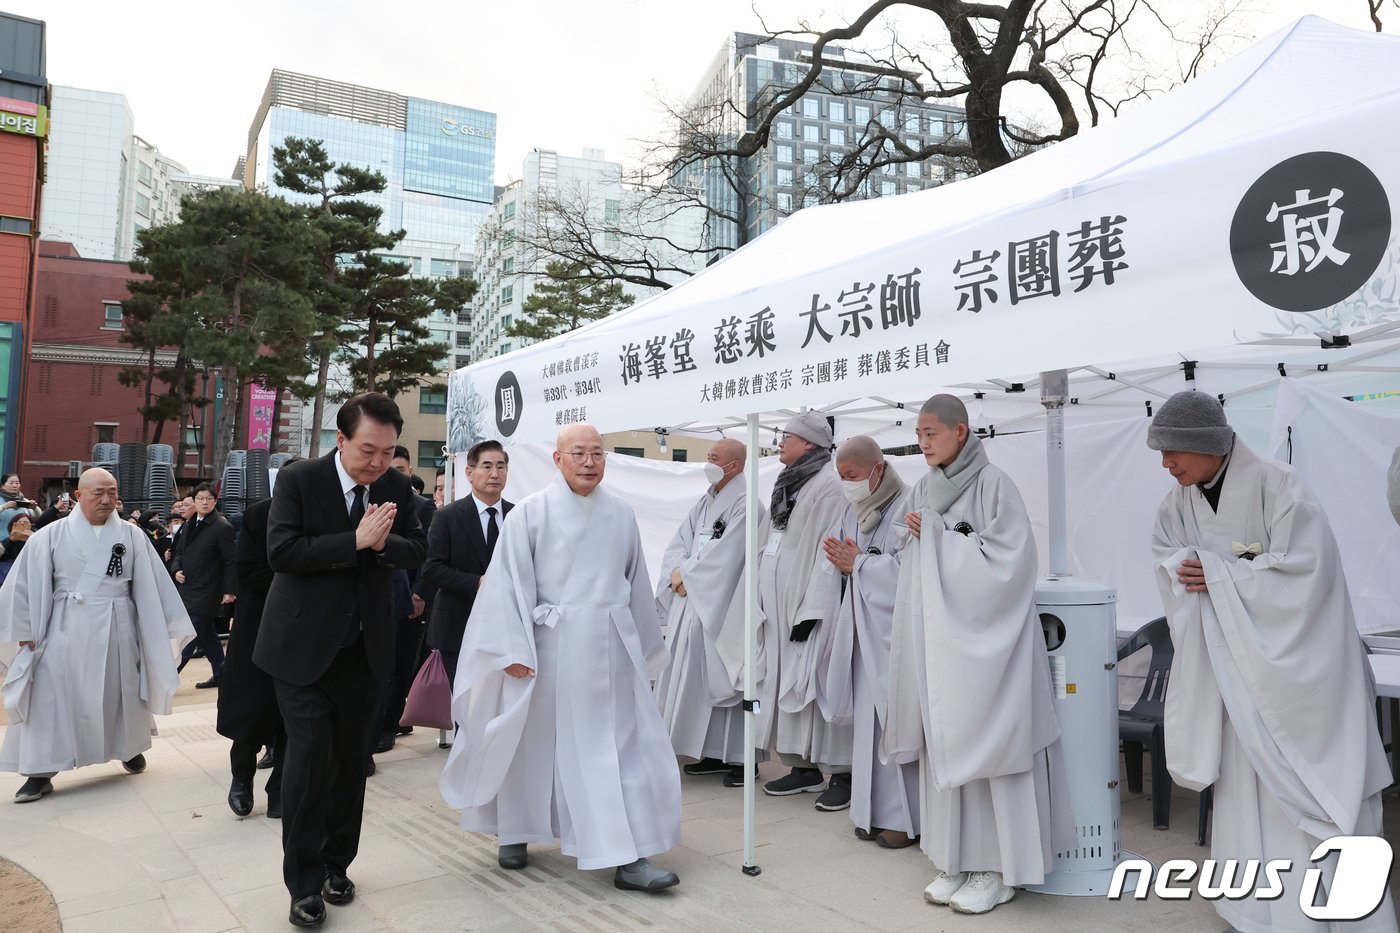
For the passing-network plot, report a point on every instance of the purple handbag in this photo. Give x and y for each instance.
(429, 702)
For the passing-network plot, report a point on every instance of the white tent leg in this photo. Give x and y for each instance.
(750, 642)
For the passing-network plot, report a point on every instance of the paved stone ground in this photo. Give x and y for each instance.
(161, 851)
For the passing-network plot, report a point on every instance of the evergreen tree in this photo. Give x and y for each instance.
(564, 301)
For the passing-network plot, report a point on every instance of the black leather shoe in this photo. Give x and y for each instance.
(265, 761)
(274, 809)
(337, 889)
(135, 765)
(386, 742)
(240, 798)
(207, 684)
(309, 911)
(404, 730)
(370, 768)
(512, 856)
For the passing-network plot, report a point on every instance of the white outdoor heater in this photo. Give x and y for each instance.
(1079, 620)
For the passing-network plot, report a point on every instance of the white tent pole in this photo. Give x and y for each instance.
(750, 647)
(1054, 387)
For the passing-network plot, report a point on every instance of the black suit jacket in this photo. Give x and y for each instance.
(322, 584)
(204, 551)
(456, 561)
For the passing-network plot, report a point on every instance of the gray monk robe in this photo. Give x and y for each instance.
(1270, 697)
(854, 685)
(700, 689)
(577, 752)
(796, 583)
(105, 646)
(969, 692)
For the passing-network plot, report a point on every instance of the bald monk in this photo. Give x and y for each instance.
(560, 736)
(89, 621)
(969, 691)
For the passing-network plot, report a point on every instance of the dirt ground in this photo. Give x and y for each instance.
(29, 907)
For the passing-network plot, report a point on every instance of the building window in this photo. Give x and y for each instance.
(464, 339)
(862, 113)
(936, 126)
(836, 111)
(887, 189)
(143, 205)
(143, 173)
(678, 456)
(112, 315)
(612, 210)
(410, 261)
(507, 294)
(509, 211)
(785, 202)
(463, 361)
(505, 348)
(785, 177)
(106, 432)
(16, 225)
(911, 169)
(837, 136)
(508, 265)
(784, 154)
(784, 129)
(911, 123)
(442, 267)
(811, 156)
(505, 321)
(811, 108)
(430, 454)
(811, 133)
(630, 451)
(432, 400)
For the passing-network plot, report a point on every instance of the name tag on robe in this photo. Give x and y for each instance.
(775, 538)
(703, 541)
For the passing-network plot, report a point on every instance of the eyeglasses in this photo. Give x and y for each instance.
(587, 456)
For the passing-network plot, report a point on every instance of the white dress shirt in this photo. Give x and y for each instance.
(347, 486)
(481, 508)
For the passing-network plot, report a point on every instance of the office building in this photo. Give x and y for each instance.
(806, 140)
(509, 263)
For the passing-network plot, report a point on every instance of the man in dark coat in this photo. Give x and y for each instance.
(205, 574)
(248, 712)
(338, 529)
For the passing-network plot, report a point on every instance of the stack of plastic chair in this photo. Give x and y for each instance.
(106, 456)
(256, 483)
(160, 485)
(232, 489)
(131, 473)
(278, 461)
(160, 453)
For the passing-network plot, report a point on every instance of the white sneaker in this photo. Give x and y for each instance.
(944, 887)
(983, 891)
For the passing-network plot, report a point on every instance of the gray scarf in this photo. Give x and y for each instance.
(948, 482)
(869, 509)
(791, 480)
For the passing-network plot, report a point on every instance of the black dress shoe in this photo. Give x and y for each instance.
(404, 730)
(240, 798)
(274, 808)
(337, 889)
(309, 911)
(370, 768)
(265, 761)
(207, 684)
(386, 742)
(135, 765)
(513, 856)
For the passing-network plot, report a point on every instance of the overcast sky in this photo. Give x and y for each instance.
(559, 74)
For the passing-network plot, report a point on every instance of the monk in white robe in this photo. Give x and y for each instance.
(560, 737)
(798, 594)
(970, 695)
(702, 575)
(1271, 699)
(865, 549)
(95, 620)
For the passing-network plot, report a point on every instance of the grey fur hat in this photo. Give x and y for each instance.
(1191, 421)
(811, 426)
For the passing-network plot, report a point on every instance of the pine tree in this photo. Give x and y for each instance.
(564, 301)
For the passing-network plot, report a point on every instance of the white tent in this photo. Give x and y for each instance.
(1241, 222)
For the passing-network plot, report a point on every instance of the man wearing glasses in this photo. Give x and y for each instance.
(560, 737)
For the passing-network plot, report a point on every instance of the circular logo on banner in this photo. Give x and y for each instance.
(1310, 231)
(508, 403)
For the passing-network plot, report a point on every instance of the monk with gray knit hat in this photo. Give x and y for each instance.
(799, 593)
(1270, 697)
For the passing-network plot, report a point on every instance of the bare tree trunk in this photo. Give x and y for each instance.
(369, 355)
(225, 426)
(276, 422)
(318, 408)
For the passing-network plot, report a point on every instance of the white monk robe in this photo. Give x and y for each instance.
(105, 646)
(699, 692)
(796, 583)
(577, 752)
(853, 688)
(970, 695)
(1270, 697)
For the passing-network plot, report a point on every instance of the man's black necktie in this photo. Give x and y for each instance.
(493, 531)
(357, 508)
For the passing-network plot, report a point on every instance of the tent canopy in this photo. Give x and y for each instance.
(1251, 206)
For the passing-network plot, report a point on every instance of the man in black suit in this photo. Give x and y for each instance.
(338, 529)
(204, 571)
(460, 545)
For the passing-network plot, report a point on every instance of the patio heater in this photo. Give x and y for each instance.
(1078, 618)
